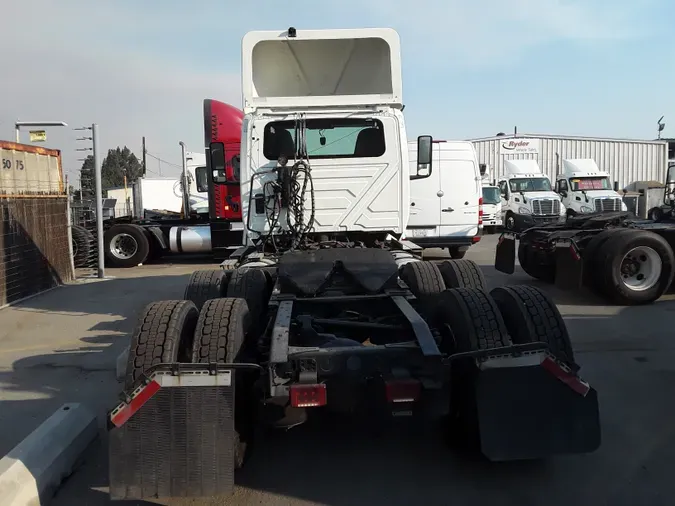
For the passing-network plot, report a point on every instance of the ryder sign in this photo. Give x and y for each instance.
(519, 146)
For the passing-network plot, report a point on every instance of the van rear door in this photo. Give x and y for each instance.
(425, 208)
(460, 188)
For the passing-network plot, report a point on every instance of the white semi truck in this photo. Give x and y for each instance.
(584, 188)
(527, 197)
(325, 309)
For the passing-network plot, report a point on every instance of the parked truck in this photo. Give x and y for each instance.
(527, 197)
(323, 309)
(584, 188)
(214, 222)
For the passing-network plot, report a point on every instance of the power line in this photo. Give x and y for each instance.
(162, 160)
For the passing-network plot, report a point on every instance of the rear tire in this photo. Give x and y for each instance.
(527, 261)
(251, 285)
(219, 338)
(472, 322)
(164, 334)
(531, 316)
(456, 253)
(205, 285)
(423, 278)
(462, 274)
(637, 267)
(655, 214)
(126, 245)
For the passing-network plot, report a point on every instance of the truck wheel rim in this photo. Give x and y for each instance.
(123, 246)
(641, 268)
(510, 223)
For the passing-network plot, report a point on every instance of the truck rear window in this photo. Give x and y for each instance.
(326, 138)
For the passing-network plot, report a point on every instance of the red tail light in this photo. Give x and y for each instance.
(308, 396)
(480, 211)
(406, 390)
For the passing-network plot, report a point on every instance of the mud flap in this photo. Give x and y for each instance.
(505, 254)
(174, 437)
(529, 413)
(568, 265)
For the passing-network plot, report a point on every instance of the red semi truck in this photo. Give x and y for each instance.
(132, 241)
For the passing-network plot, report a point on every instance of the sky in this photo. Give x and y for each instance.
(471, 68)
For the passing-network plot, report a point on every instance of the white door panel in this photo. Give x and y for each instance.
(459, 204)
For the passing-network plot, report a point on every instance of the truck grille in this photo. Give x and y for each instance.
(608, 204)
(544, 207)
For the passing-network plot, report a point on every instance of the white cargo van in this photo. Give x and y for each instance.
(445, 209)
(584, 188)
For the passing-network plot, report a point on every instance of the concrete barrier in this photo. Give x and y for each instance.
(33, 470)
(121, 367)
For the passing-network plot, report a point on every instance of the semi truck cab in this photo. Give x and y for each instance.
(584, 188)
(527, 197)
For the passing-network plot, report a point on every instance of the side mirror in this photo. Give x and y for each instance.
(616, 186)
(483, 169)
(202, 179)
(563, 193)
(424, 152)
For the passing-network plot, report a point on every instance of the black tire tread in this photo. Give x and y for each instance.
(531, 316)
(423, 278)
(83, 239)
(157, 336)
(250, 284)
(474, 319)
(462, 274)
(216, 339)
(205, 285)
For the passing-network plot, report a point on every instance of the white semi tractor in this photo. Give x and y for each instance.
(527, 197)
(584, 188)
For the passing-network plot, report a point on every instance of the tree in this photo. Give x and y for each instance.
(116, 164)
(87, 178)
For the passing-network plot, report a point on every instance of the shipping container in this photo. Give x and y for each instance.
(626, 160)
(29, 170)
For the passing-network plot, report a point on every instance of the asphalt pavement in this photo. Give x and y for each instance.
(61, 347)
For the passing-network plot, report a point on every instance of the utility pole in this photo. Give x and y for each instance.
(98, 195)
(144, 158)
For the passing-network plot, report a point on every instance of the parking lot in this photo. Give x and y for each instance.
(61, 347)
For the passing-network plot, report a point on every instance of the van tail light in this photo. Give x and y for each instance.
(480, 211)
(308, 396)
(403, 390)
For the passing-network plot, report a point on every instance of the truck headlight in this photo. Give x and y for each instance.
(586, 209)
(524, 210)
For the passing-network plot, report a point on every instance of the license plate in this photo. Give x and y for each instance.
(420, 232)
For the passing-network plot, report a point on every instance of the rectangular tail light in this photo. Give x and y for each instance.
(404, 390)
(480, 211)
(308, 396)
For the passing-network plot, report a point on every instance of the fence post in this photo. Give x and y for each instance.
(70, 230)
(99, 201)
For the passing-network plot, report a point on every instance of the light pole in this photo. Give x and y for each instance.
(19, 124)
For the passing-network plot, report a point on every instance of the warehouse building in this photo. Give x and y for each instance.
(625, 160)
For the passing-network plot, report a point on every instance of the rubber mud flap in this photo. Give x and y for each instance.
(179, 444)
(505, 254)
(527, 413)
(568, 267)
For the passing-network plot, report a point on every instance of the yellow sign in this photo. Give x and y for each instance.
(38, 136)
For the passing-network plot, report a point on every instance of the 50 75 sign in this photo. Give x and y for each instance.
(8, 164)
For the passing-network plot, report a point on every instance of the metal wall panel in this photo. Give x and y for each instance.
(626, 160)
(29, 170)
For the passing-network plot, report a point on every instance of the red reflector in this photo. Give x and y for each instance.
(569, 378)
(308, 396)
(407, 390)
(476, 238)
(121, 417)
